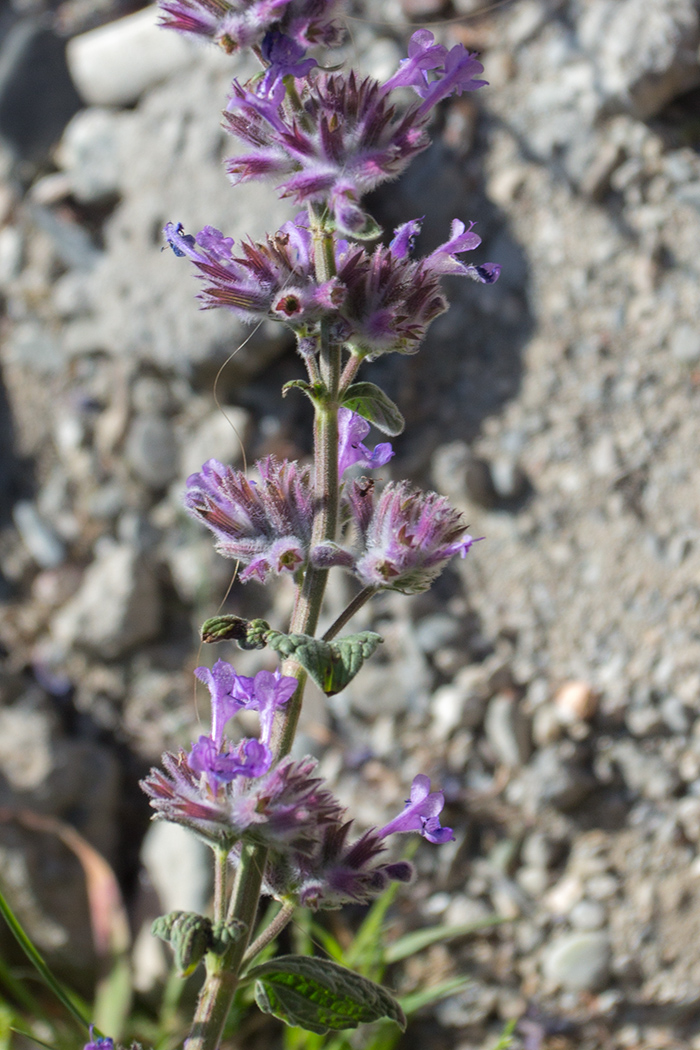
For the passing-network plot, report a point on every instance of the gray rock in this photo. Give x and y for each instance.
(645, 54)
(646, 773)
(179, 866)
(89, 153)
(11, 252)
(555, 777)
(116, 607)
(37, 96)
(221, 435)
(39, 538)
(151, 451)
(508, 731)
(32, 345)
(588, 915)
(141, 299)
(449, 467)
(685, 344)
(578, 962)
(115, 64)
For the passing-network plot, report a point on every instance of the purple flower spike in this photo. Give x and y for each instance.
(100, 1043)
(352, 428)
(409, 539)
(220, 681)
(265, 525)
(421, 814)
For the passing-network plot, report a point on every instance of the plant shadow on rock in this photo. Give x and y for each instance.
(470, 365)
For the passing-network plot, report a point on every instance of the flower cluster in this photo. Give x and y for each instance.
(339, 137)
(230, 794)
(378, 302)
(266, 525)
(406, 537)
(234, 24)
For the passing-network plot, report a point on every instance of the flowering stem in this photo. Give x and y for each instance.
(222, 971)
(272, 930)
(357, 602)
(220, 867)
(222, 974)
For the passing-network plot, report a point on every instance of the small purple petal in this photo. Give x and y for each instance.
(404, 237)
(352, 428)
(421, 814)
(423, 54)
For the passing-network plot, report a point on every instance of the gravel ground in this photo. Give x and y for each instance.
(551, 681)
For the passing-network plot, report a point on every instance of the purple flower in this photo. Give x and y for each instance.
(266, 525)
(220, 681)
(409, 538)
(352, 428)
(265, 693)
(454, 70)
(250, 758)
(423, 54)
(421, 814)
(342, 140)
(231, 692)
(273, 280)
(286, 808)
(458, 75)
(338, 872)
(286, 58)
(100, 1043)
(391, 299)
(234, 24)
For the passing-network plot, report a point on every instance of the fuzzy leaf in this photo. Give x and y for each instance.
(370, 402)
(331, 665)
(319, 995)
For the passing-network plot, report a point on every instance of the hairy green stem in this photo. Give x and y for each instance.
(272, 930)
(223, 971)
(360, 599)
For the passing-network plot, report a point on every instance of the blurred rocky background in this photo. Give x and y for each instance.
(551, 681)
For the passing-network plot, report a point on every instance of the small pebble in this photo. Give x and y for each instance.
(578, 962)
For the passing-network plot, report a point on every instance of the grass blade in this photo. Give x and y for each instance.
(38, 963)
(420, 939)
(427, 996)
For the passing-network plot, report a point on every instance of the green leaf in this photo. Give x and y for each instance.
(319, 995)
(368, 232)
(331, 665)
(370, 402)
